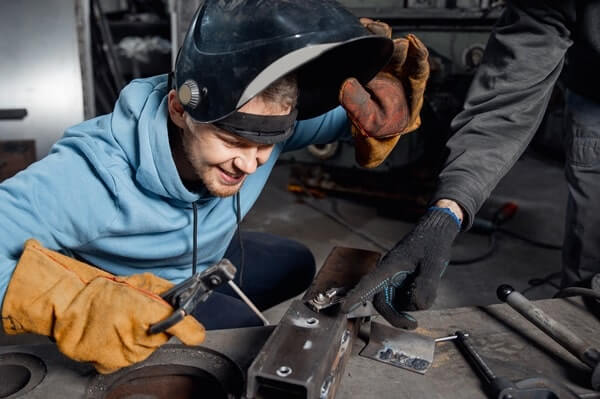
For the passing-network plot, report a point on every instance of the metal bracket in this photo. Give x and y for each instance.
(401, 348)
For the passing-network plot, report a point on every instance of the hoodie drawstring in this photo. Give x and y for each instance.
(195, 240)
(238, 215)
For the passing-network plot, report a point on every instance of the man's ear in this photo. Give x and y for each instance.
(176, 110)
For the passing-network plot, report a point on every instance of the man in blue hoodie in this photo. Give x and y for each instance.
(155, 190)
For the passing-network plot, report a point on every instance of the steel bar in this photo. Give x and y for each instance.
(306, 355)
(555, 330)
(248, 302)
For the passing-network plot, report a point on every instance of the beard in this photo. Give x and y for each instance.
(215, 187)
(208, 179)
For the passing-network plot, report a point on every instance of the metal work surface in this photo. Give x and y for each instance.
(511, 345)
(216, 369)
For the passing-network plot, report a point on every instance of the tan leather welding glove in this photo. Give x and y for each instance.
(389, 105)
(93, 316)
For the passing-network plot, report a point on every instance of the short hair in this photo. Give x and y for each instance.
(283, 91)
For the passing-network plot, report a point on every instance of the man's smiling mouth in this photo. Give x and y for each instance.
(230, 178)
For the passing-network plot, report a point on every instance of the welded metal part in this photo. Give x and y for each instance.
(176, 370)
(299, 356)
(326, 299)
(400, 348)
(306, 354)
(365, 309)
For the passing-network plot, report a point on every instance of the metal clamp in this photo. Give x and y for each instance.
(326, 299)
(185, 296)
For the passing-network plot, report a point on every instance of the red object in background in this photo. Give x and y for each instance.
(505, 213)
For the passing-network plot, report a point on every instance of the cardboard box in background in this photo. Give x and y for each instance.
(15, 155)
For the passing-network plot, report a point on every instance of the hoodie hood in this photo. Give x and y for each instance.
(143, 104)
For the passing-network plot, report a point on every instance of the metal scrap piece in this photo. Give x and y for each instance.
(400, 348)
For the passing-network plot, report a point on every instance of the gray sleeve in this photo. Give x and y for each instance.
(506, 101)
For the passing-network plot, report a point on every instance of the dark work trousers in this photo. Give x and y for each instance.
(581, 248)
(274, 270)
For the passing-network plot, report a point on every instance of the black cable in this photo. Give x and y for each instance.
(492, 246)
(308, 201)
(195, 240)
(577, 291)
(238, 214)
(337, 216)
(537, 282)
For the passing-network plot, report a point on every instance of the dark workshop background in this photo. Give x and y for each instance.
(64, 61)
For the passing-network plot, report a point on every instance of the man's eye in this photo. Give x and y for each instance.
(231, 142)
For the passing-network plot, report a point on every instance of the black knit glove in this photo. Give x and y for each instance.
(408, 276)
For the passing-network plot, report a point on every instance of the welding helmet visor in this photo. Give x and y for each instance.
(235, 49)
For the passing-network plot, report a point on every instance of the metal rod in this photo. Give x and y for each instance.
(555, 330)
(448, 338)
(248, 302)
(472, 354)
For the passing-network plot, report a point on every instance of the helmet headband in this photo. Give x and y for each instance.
(259, 129)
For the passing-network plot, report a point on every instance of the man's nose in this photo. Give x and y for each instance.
(249, 160)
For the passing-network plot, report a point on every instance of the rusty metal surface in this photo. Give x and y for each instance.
(306, 355)
(221, 360)
(191, 370)
(510, 344)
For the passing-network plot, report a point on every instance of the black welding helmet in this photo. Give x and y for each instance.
(234, 49)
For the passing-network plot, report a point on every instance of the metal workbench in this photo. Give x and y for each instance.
(511, 346)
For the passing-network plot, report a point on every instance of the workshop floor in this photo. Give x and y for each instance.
(535, 184)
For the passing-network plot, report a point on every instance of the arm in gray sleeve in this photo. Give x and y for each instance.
(507, 99)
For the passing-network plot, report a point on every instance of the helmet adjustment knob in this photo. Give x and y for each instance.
(190, 94)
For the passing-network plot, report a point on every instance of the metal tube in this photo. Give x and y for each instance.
(547, 324)
(248, 302)
(472, 354)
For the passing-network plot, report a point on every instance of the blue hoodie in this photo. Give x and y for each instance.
(109, 193)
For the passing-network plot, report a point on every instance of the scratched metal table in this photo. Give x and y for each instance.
(511, 346)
